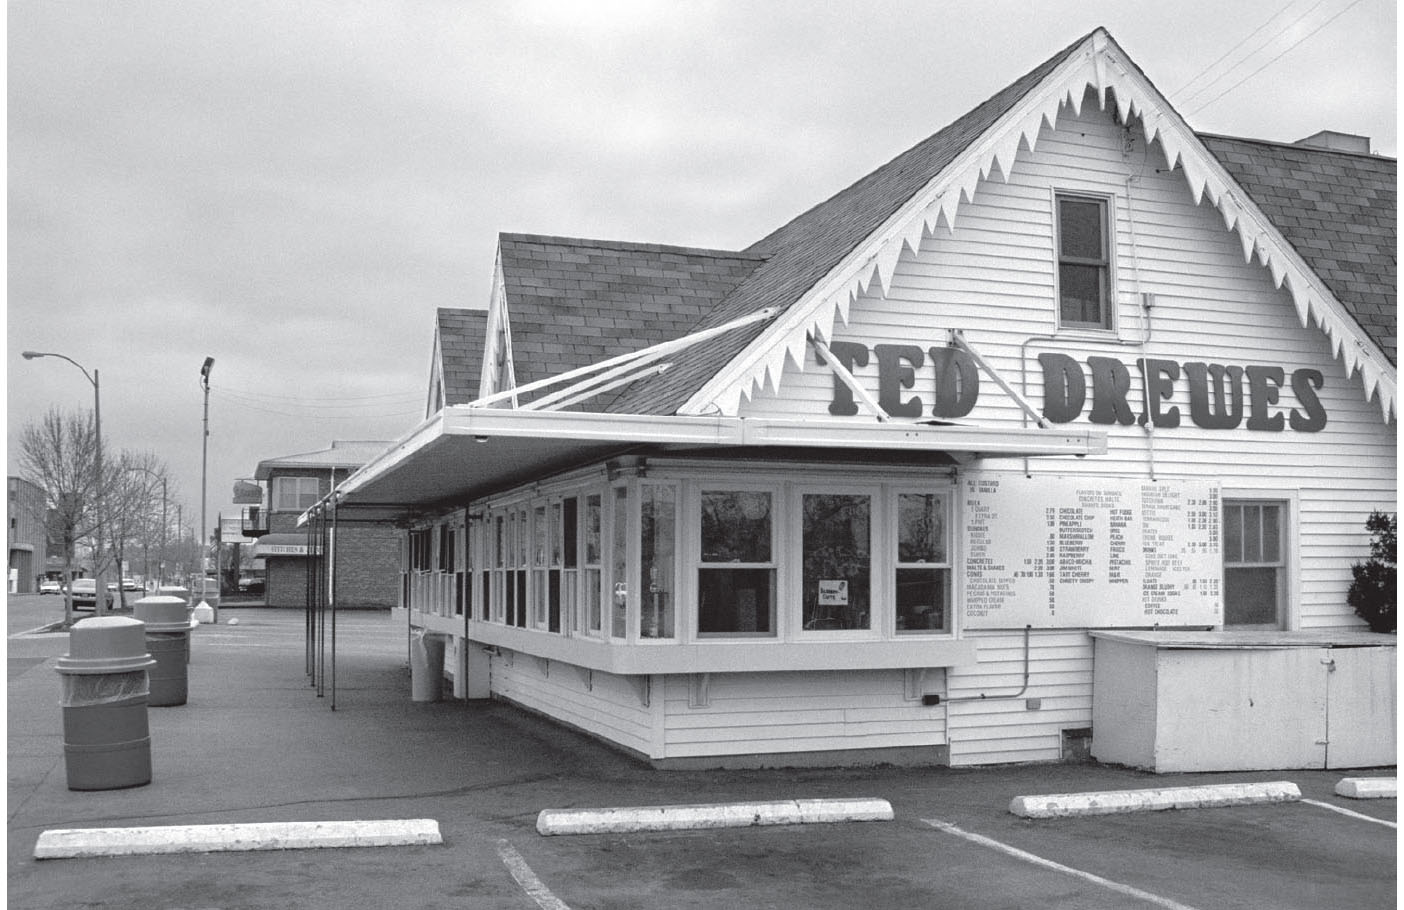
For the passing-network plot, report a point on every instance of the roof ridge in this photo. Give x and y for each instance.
(628, 245)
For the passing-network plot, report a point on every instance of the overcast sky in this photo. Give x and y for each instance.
(294, 188)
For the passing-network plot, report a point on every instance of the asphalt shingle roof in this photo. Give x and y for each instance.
(577, 302)
(1338, 210)
(462, 335)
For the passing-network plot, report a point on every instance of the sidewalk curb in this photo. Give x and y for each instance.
(719, 815)
(1060, 805)
(1368, 788)
(77, 842)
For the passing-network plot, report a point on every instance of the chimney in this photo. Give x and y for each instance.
(1337, 142)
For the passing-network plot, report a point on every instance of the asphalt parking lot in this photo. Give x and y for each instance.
(256, 743)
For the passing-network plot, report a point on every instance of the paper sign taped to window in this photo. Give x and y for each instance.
(833, 592)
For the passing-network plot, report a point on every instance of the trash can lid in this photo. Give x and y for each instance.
(162, 614)
(106, 644)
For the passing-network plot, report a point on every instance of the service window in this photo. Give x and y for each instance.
(736, 566)
(564, 565)
(591, 560)
(540, 537)
(1084, 263)
(1254, 564)
(657, 560)
(619, 564)
(520, 554)
(922, 580)
(836, 561)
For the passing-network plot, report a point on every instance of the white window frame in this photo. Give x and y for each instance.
(691, 563)
(1288, 594)
(1109, 221)
(880, 610)
(634, 566)
(946, 493)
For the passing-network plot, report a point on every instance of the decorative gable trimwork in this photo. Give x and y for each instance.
(1097, 62)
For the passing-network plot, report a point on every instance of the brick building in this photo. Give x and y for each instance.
(28, 546)
(370, 556)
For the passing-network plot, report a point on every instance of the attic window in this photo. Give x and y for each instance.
(1084, 263)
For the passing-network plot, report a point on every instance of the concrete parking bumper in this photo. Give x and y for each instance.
(719, 815)
(1368, 788)
(83, 842)
(1107, 802)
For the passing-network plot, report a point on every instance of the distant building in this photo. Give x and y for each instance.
(28, 546)
(370, 556)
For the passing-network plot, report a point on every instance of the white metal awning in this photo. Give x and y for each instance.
(464, 452)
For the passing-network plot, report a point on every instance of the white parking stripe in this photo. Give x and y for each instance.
(1015, 852)
(532, 885)
(1361, 816)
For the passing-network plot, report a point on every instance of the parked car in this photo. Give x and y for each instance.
(85, 594)
(49, 586)
(127, 585)
(250, 584)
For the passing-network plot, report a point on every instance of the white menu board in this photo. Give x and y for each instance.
(1089, 552)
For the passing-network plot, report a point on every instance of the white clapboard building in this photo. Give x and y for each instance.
(1056, 433)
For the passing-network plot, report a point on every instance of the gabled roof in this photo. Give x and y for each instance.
(459, 335)
(341, 454)
(953, 162)
(807, 248)
(574, 302)
(577, 302)
(1338, 210)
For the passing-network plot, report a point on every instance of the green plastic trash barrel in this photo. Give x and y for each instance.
(106, 738)
(167, 629)
(426, 666)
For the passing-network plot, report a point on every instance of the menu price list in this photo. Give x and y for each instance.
(1077, 551)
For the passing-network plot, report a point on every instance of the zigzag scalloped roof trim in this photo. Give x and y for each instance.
(1101, 66)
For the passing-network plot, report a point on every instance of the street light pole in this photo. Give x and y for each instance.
(204, 462)
(100, 595)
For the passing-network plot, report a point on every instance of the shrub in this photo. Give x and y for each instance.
(1373, 593)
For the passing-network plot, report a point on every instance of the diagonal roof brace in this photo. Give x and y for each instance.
(958, 340)
(847, 378)
(614, 365)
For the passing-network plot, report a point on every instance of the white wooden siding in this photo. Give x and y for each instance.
(801, 712)
(608, 706)
(994, 278)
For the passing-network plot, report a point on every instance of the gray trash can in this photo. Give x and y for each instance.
(167, 631)
(184, 594)
(426, 666)
(106, 737)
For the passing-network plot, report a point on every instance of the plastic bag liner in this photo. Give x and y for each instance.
(82, 690)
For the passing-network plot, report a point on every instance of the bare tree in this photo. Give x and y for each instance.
(58, 452)
(134, 507)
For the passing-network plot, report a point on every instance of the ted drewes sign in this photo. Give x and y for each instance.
(1221, 397)
(1080, 552)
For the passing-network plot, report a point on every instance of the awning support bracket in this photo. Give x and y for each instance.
(847, 378)
(958, 340)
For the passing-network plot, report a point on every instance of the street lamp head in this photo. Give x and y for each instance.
(205, 370)
(30, 355)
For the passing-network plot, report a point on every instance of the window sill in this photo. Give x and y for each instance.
(728, 656)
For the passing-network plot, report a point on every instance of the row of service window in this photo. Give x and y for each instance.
(546, 563)
(868, 561)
